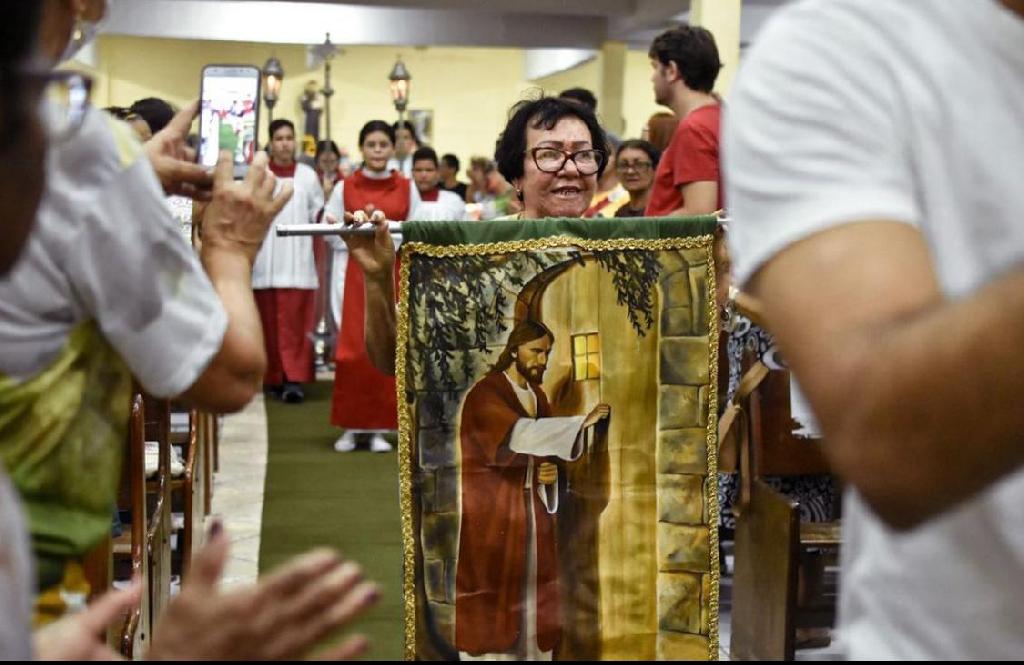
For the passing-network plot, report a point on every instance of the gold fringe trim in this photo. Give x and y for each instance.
(405, 462)
(711, 485)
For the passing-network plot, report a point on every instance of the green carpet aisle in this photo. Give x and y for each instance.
(349, 501)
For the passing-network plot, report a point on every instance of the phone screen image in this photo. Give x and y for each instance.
(228, 116)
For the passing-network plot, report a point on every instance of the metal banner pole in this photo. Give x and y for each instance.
(395, 228)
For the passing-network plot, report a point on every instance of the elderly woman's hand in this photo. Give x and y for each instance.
(242, 211)
(174, 162)
(374, 254)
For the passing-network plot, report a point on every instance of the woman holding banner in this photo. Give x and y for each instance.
(546, 151)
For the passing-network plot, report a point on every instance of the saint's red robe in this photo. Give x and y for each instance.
(492, 540)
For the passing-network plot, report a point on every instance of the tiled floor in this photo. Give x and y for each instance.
(238, 489)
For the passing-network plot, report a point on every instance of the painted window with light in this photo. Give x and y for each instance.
(586, 356)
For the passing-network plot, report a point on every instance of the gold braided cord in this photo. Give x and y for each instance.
(711, 486)
(534, 244)
(405, 465)
(408, 252)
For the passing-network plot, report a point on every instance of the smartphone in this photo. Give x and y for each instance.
(229, 114)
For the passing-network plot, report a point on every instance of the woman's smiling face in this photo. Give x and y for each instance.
(566, 193)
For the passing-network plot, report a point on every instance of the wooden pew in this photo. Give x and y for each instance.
(771, 542)
(129, 552)
(189, 490)
(158, 540)
(208, 432)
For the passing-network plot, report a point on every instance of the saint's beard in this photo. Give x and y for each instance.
(533, 375)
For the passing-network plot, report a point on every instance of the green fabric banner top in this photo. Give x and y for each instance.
(479, 233)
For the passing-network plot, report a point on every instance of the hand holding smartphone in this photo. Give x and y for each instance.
(229, 115)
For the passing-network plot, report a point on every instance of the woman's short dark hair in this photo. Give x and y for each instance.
(640, 144)
(327, 145)
(278, 124)
(542, 113)
(693, 50)
(376, 126)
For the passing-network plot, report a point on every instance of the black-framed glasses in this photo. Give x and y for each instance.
(638, 166)
(551, 160)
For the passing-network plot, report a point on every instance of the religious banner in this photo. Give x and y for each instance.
(557, 385)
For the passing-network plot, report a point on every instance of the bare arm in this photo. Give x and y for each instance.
(699, 198)
(234, 225)
(916, 393)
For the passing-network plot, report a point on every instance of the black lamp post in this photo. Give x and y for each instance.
(273, 74)
(399, 79)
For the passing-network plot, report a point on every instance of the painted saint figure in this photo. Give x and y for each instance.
(507, 602)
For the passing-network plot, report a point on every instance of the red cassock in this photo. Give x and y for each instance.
(284, 283)
(364, 397)
(493, 538)
(287, 316)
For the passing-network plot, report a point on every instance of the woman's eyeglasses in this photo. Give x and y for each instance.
(551, 160)
(639, 167)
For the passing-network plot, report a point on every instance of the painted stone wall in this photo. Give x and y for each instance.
(655, 574)
(684, 557)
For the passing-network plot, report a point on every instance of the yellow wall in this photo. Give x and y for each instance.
(638, 101)
(584, 75)
(469, 89)
(638, 95)
(722, 19)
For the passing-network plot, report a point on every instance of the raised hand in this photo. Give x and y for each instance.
(174, 161)
(282, 616)
(241, 212)
(600, 412)
(82, 636)
(374, 254)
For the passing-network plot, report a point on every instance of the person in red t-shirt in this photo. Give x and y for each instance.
(688, 181)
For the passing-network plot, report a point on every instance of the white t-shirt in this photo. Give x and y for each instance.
(287, 262)
(904, 110)
(106, 248)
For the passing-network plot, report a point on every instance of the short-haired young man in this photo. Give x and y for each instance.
(688, 181)
(448, 169)
(436, 204)
(284, 277)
